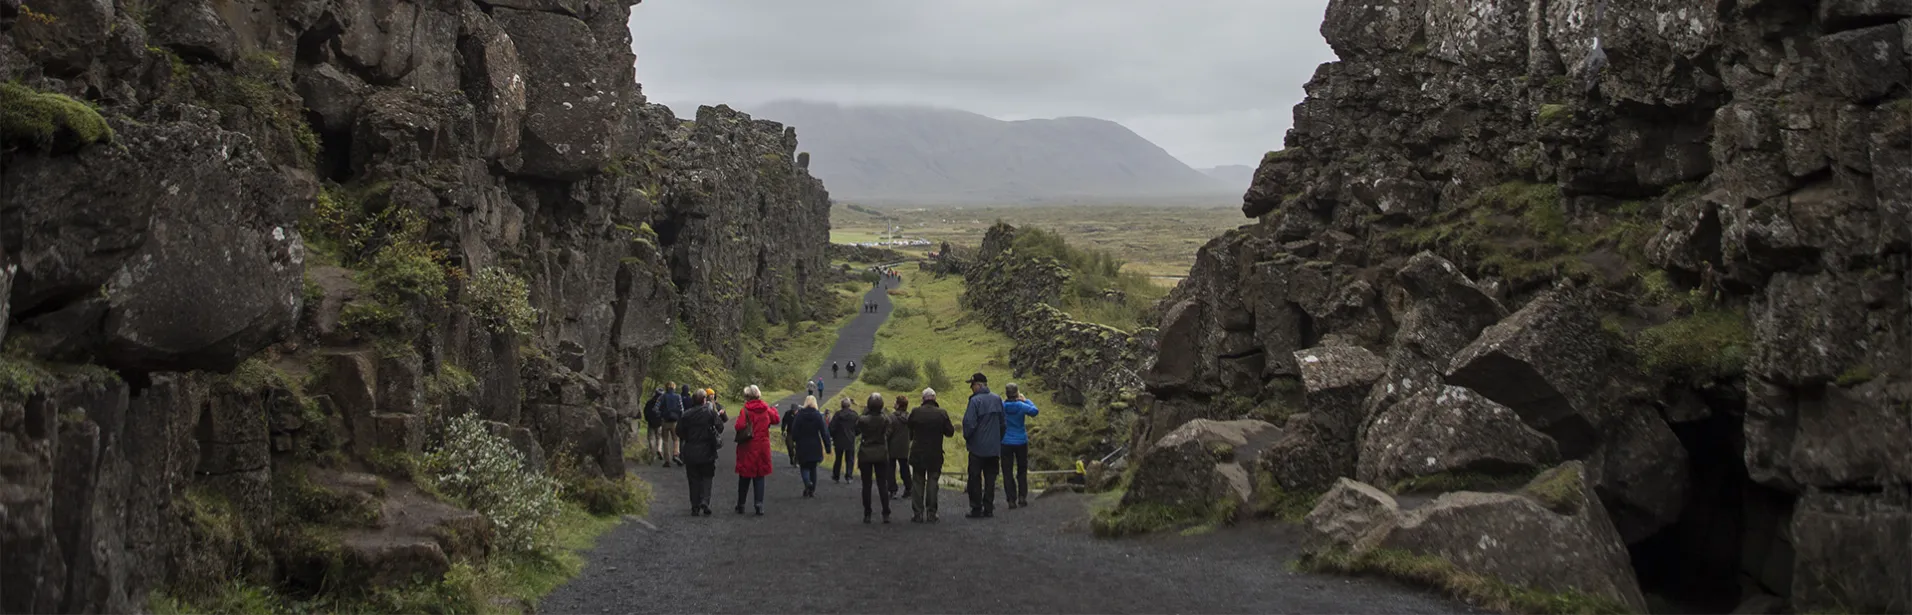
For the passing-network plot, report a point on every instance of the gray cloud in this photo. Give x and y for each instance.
(1212, 81)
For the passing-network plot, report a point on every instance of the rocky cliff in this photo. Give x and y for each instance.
(252, 242)
(1667, 241)
(1087, 364)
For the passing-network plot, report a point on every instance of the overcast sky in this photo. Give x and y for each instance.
(1212, 81)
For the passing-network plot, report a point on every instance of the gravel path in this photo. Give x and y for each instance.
(817, 556)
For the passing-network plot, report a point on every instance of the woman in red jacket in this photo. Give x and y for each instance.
(753, 451)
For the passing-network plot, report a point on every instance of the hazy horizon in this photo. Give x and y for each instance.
(1212, 82)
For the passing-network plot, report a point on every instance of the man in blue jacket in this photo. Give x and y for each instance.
(983, 431)
(1015, 446)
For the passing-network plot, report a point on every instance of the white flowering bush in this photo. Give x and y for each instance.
(503, 300)
(483, 472)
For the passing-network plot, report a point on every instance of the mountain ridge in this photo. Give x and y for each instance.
(929, 154)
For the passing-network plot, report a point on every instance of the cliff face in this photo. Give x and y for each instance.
(1671, 237)
(252, 235)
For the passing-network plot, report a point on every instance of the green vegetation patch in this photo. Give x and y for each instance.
(1439, 574)
(1521, 231)
(1149, 517)
(1553, 113)
(42, 118)
(1100, 290)
(599, 495)
(1445, 482)
(1558, 489)
(1699, 347)
(1272, 501)
(503, 300)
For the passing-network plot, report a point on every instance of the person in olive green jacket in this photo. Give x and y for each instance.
(873, 454)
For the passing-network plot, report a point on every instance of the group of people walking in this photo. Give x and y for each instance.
(898, 452)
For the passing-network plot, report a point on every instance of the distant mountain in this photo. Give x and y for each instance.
(1233, 174)
(931, 155)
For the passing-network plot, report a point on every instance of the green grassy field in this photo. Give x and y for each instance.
(1154, 240)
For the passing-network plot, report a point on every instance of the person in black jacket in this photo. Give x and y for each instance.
(929, 425)
(700, 432)
(900, 451)
(809, 443)
(843, 431)
(873, 454)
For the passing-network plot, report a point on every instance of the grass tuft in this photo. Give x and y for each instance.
(1436, 573)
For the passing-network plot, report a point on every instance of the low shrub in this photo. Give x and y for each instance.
(936, 376)
(503, 300)
(1701, 347)
(484, 473)
(599, 495)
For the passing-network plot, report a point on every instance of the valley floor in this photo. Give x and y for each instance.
(817, 556)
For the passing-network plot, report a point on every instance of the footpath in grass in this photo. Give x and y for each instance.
(929, 322)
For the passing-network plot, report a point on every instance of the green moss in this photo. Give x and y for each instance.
(42, 118)
(1143, 518)
(1552, 113)
(1559, 489)
(1436, 573)
(1458, 481)
(451, 380)
(1279, 154)
(1855, 376)
(502, 300)
(1274, 502)
(598, 495)
(1700, 347)
(20, 377)
(255, 375)
(300, 499)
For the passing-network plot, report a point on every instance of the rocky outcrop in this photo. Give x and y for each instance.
(1086, 364)
(1553, 535)
(1669, 240)
(1199, 473)
(259, 237)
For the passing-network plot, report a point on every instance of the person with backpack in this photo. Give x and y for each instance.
(653, 439)
(1015, 446)
(853, 370)
(753, 447)
(700, 432)
(833, 369)
(873, 454)
(843, 432)
(670, 409)
(789, 441)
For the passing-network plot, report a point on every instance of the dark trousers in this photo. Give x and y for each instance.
(845, 464)
(982, 482)
(808, 471)
(744, 484)
(1015, 472)
(875, 471)
(924, 477)
(701, 475)
(900, 473)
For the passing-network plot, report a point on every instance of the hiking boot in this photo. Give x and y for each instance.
(916, 518)
(1025, 502)
(932, 518)
(866, 517)
(759, 511)
(740, 509)
(886, 519)
(974, 513)
(1012, 505)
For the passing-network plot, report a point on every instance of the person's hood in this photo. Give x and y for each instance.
(927, 403)
(756, 405)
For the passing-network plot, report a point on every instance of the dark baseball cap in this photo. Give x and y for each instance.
(978, 377)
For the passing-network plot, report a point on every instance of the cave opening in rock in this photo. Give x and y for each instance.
(1727, 545)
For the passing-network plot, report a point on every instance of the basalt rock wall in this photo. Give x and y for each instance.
(1087, 364)
(251, 235)
(1670, 237)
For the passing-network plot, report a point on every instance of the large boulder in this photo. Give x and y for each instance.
(1446, 311)
(1547, 363)
(1348, 515)
(494, 82)
(1552, 536)
(1198, 466)
(1854, 552)
(1640, 471)
(1451, 430)
(177, 251)
(1178, 355)
(1335, 382)
(570, 119)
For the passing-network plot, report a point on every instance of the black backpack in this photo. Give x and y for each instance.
(671, 408)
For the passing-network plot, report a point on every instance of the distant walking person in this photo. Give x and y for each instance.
(820, 394)
(873, 454)
(1015, 446)
(701, 432)
(670, 409)
(833, 369)
(928, 425)
(900, 450)
(810, 442)
(654, 439)
(789, 441)
(843, 432)
(852, 368)
(983, 430)
(753, 450)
